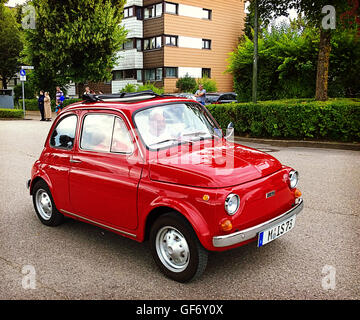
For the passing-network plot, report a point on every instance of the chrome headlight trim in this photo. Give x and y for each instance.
(293, 179)
(230, 207)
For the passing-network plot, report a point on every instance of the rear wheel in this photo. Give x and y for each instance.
(176, 248)
(44, 205)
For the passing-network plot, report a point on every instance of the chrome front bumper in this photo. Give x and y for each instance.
(247, 234)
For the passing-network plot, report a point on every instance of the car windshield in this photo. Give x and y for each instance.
(164, 126)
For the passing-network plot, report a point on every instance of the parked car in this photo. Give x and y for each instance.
(187, 95)
(218, 98)
(160, 169)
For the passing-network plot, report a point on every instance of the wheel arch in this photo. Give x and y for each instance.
(191, 215)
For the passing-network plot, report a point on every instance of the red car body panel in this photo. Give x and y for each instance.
(120, 192)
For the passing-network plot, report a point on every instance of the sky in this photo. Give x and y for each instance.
(13, 3)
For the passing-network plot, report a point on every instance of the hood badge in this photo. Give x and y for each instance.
(270, 194)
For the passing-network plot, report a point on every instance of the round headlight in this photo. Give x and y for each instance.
(232, 203)
(293, 178)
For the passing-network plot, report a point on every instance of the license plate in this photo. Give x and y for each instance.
(276, 231)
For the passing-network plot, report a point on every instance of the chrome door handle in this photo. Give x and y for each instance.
(75, 161)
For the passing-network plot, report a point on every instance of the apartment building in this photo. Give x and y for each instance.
(167, 40)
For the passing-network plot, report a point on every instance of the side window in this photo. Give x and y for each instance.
(96, 132)
(64, 133)
(121, 141)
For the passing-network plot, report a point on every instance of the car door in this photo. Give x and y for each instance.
(56, 158)
(106, 171)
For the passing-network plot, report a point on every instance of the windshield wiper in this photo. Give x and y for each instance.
(196, 134)
(164, 141)
(169, 140)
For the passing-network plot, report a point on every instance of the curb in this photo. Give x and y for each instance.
(301, 143)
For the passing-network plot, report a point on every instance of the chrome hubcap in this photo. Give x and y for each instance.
(43, 204)
(172, 249)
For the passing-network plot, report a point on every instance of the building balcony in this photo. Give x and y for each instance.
(133, 26)
(130, 3)
(129, 59)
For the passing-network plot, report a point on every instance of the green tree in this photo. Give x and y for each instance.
(270, 9)
(74, 40)
(10, 45)
(288, 57)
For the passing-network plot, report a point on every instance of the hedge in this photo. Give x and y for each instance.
(332, 120)
(32, 104)
(11, 113)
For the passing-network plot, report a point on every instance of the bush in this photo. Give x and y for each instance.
(142, 87)
(186, 84)
(208, 84)
(32, 104)
(335, 119)
(11, 113)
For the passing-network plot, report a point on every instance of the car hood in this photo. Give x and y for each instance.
(211, 164)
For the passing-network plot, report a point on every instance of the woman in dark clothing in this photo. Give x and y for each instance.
(41, 105)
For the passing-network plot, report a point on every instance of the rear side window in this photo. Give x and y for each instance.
(105, 133)
(96, 133)
(64, 133)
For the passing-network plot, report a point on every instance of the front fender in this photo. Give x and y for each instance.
(189, 212)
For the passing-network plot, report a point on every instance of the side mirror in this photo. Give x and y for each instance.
(229, 130)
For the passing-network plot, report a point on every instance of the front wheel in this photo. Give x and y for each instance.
(176, 248)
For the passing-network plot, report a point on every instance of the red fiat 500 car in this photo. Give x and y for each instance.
(160, 169)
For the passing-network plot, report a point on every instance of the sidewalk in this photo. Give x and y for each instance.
(35, 115)
(301, 143)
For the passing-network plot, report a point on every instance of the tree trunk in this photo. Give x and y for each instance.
(4, 82)
(323, 66)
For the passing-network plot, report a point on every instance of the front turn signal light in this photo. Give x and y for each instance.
(298, 193)
(226, 225)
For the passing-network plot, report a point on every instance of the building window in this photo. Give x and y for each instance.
(171, 41)
(138, 44)
(153, 43)
(153, 74)
(171, 72)
(128, 12)
(159, 74)
(171, 8)
(207, 14)
(119, 75)
(206, 73)
(139, 75)
(153, 11)
(206, 44)
(128, 44)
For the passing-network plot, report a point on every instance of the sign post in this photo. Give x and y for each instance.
(23, 79)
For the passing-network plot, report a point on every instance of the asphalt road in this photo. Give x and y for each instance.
(318, 259)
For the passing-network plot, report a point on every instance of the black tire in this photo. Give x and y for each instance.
(46, 211)
(191, 261)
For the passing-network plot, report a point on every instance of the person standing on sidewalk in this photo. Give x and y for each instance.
(59, 94)
(41, 105)
(201, 95)
(47, 107)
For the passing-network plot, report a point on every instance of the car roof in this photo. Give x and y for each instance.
(124, 105)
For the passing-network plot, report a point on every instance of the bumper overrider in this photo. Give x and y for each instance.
(250, 233)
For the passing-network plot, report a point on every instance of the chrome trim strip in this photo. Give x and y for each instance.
(241, 236)
(99, 224)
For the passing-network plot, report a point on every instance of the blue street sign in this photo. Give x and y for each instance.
(22, 72)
